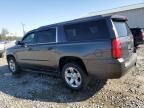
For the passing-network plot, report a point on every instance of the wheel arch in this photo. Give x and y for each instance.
(9, 55)
(66, 59)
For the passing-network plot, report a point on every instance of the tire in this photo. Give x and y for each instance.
(13, 66)
(74, 76)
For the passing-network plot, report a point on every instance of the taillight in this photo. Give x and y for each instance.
(116, 48)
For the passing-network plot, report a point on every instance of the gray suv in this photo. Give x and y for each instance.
(99, 46)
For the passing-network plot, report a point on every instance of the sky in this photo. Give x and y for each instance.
(36, 13)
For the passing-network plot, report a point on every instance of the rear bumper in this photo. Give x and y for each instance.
(111, 69)
(126, 65)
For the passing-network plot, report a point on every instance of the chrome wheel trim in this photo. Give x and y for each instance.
(73, 77)
(12, 65)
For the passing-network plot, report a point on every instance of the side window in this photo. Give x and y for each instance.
(87, 31)
(29, 39)
(46, 36)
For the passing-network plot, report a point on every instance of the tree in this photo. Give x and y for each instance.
(4, 36)
(4, 32)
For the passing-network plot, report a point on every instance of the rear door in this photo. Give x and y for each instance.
(123, 32)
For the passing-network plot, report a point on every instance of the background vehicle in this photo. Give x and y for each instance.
(99, 47)
(138, 34)
(2, 48)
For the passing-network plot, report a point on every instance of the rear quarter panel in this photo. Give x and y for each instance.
(95, 55)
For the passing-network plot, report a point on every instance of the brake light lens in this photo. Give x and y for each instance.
(116, 48)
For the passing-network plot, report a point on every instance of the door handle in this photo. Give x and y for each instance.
(23, 46)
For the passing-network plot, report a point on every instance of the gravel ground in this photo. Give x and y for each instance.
(30, 90)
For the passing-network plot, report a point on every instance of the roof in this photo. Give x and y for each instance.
(83, 19)
(120, 9)
(69, 22)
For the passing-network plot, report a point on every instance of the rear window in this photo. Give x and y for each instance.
(86, 31)
(122, 29)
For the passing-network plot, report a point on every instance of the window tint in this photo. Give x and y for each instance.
(86, 31)
(29, 39)
(46, 36)
(122, 29)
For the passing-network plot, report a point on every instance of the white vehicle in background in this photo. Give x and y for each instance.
(10, 44)
(2, 48)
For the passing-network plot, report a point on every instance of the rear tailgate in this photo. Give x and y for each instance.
(124, 34)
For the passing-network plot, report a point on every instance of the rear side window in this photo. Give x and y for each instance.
(46, 36)
(122, 29)
(86, 31)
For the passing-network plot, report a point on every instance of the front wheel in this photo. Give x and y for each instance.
(13, 67)
(74, 76)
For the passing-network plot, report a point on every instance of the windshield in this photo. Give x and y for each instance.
(122, 28)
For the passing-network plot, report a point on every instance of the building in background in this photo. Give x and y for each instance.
(135, 14)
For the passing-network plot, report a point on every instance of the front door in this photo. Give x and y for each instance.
(24, 53)
(45, 50)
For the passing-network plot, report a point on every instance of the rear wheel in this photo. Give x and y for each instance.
(74, 76)
(13, 67)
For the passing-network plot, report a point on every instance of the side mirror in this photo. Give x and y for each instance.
(19, 43)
